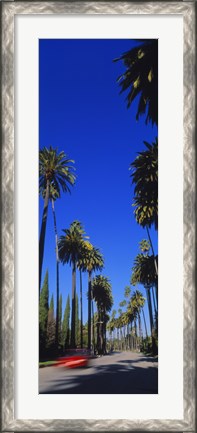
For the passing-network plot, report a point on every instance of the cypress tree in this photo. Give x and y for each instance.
(51, 306)
(51, 328)
(65, 325)
(43, 315)
(60, 320)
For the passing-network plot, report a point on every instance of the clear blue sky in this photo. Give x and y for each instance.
(82, 113)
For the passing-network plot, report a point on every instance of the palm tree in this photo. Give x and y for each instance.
(138, 301)
(111, 327)
(81, 308)
(153, 274)
(54, 169)
(131, 314)
(144, 246)
(145, 177)
(143, 272)
(91, 260)
(53, 195)
(81, 264)
(120, 325)
(141, 78)
(102, 294)
(127, 292)
(70, 245)
(125, 322)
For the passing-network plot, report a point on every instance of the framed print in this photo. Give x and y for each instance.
(101, 278)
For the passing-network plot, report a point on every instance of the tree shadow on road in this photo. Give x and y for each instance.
(142, 359)
(107, 379)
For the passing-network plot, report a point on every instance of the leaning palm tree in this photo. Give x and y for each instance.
(69, 246)
(102, 295)
(54, 168)
(92, 260)
(141, 78)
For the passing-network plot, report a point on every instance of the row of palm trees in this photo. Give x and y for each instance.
(101, 289)
(57, 174)
(73, 247)
(140, 78)
(123, 327)
(101, 295)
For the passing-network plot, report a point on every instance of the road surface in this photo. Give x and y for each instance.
(118, 373)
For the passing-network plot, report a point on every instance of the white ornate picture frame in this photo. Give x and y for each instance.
(9, 11)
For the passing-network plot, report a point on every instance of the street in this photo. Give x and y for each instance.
(116, 373)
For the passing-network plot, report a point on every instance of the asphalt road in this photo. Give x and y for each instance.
(118, 373)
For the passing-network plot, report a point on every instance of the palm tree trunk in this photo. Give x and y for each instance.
(89, 307)
(73, 344)
(154, 303)
(43, 231)
(156, 291)
(144, 323)
(98, 325)
(57, 275)
(104, 338)
(127, 336)
(135, 325)
(81, 304)
(140, 326)
(150, 309)
(131, 341)
(155, 262)
(124, 334)
(101, 334)
(93, 330)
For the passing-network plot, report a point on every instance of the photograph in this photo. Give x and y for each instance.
(98, 216)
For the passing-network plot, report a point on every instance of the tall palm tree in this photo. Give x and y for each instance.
(53, 195)
(131, 314)
(120, 325)
(102, 295)
(145, 177)
(69, 246)
(54, 168)
(92, 260)
(138, 301)
(127, 292)
(143, 272)
(81, 264)
(81, 309)
(144, 246)
(111, 327)
(141, 78)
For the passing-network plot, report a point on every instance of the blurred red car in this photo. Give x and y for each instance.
(74, 358)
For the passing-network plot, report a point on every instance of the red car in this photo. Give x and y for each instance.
(74, 358)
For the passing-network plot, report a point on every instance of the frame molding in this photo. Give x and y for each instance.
(8, 12)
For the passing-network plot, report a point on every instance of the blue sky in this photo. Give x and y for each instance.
(82, 113)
